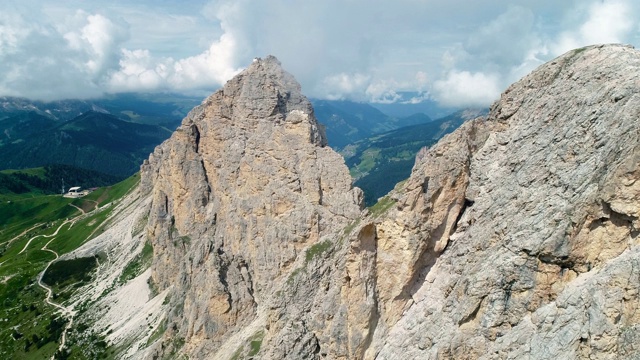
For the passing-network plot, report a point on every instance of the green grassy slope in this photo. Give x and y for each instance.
(31, 328)
(347, 121)
(48, 179)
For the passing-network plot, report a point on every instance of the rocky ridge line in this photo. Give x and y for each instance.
(516, 236)
(541, 260)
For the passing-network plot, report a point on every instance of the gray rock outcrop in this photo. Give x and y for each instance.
(516, 236)
(542, 259)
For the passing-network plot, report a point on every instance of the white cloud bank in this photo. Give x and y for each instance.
(460, 53)
(84, 57)
(606, 22)
(515, 42)
(467, 89)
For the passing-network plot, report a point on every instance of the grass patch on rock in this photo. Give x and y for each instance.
(316, 250)
(138, 265)
(251, 348)
(382, 206)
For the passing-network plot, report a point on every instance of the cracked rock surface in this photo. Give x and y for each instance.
(515, 237)
(544, 262)
(242, 187)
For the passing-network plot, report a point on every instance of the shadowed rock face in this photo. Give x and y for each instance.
(516, 236)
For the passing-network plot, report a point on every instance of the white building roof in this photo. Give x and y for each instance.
(75, 188)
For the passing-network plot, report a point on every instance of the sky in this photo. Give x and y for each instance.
(458, 53)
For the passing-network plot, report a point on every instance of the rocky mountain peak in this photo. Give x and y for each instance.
(265, 91)
(527, 223)
(239, 192)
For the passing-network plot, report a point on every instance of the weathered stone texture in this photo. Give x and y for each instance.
(242, 187)
(515, 236)
(543, 264)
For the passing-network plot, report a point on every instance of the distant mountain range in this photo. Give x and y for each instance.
(93, 140)
(110, 135)
(408, 103)
(50, 179)
(157, 109)
(347, 122)
(379, 162)
(113, 135)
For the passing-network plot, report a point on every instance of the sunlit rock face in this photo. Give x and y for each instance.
(240, 189)
(542, 261)
(516, 236)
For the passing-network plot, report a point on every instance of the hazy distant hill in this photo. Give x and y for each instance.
(410, 102)
(23, 125)
(56, 110)
(50, 179)
(379, 162)
(347, 121)
(93, 140)
(115, 133)
(111, 135)
(158, 109)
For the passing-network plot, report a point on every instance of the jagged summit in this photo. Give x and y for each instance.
(268, 73)
(265, 91)
(247, 179)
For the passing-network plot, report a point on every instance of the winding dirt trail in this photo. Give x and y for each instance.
(79, 208)
(72, 221)
(47, 236)
(67, 312)
(24, 232)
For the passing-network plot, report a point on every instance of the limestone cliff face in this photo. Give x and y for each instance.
(516, 236)
(241, 188)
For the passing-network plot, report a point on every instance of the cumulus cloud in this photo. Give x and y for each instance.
(517, 41)
(41, 62)
(480, 67)
(457, 52)
(604, 22)
(98, 40)
(83, 55)
(386, 91)
(139, 71)
(340, 86)
(463, 88)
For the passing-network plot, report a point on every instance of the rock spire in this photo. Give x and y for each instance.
(243, 187)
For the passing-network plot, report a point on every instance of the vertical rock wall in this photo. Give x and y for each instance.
(243, 185)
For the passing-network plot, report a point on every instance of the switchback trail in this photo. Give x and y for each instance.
(79, 208)
(24, 232)
(47, 236)
(67, 312)
(72, 221)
